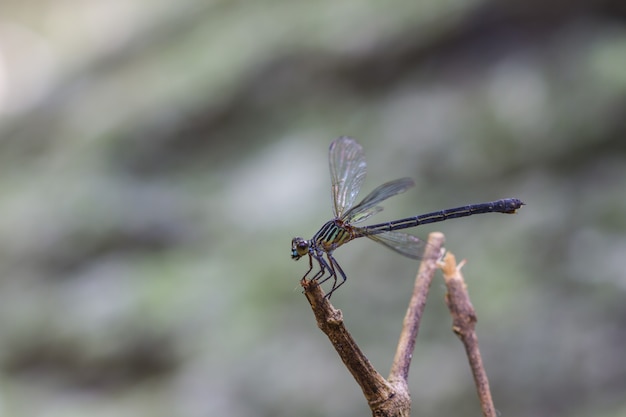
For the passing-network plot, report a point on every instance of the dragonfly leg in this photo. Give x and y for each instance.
(322, 270)
(331, 273)
(310, 267)
(324, 266)
(329, 266)
(334, 267)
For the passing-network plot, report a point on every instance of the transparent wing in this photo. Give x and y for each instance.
(403, 243)
(347, 172)
(362, 214)
(367, 207)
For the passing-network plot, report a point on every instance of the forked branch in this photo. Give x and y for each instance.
(391, 397)
(385, 397)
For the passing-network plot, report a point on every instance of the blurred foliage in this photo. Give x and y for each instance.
(157, 158)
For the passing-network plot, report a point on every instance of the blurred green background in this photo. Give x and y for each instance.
(156, 158)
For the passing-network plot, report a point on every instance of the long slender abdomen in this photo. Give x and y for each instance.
(507, 205)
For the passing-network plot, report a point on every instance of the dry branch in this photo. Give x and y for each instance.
(463, 325)
(385, 397)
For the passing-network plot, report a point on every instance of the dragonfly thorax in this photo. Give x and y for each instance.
(299, 247)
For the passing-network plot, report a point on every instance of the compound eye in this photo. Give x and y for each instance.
(303, 248)
(299, 247)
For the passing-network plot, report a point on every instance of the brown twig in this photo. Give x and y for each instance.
(380, 394)
(385, 397)
(410, 327)
(463, 324)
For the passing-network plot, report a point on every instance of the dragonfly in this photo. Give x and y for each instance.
(347, 173)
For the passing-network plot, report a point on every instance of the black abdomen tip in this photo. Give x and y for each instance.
(511, 205)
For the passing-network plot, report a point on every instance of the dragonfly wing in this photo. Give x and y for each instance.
(403, 243)
(347, 172)
(363, 214)
(362, 210)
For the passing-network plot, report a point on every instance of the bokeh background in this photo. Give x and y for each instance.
(157, 157)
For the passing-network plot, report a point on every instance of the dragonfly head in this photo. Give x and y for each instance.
(299, 248)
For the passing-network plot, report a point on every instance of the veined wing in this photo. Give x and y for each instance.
(403, 243)
(368, 206)
(347, 172)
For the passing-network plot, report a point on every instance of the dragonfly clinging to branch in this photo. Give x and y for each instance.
(347, 173)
